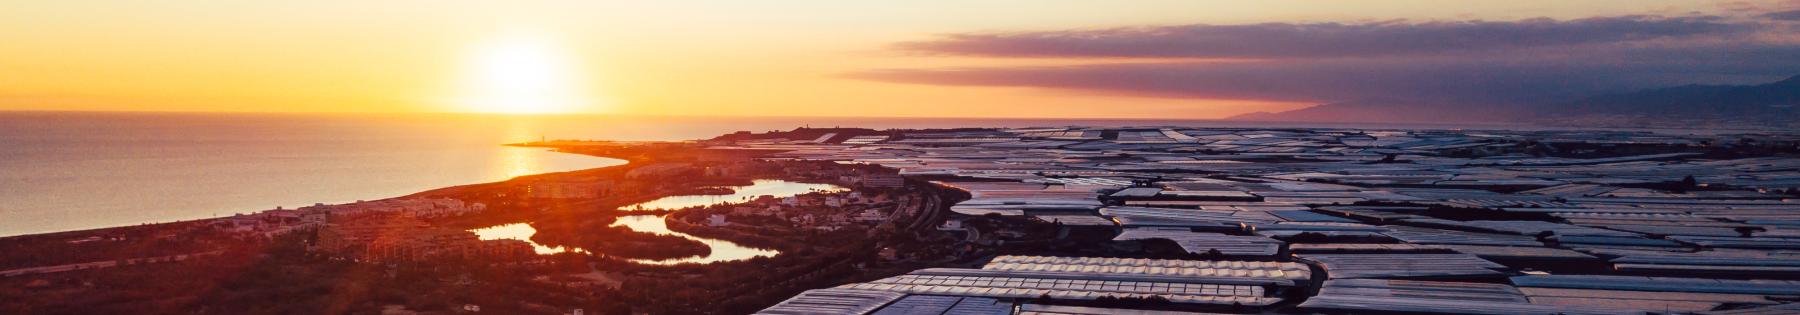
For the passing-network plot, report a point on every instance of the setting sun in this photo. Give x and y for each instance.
(522, 74)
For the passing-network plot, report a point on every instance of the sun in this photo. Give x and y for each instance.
(522, 74)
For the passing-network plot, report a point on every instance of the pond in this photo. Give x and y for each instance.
(523, 232)
(722, 250)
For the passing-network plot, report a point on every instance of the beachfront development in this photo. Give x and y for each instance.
(1051, 220)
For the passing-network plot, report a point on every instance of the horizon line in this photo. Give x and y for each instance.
(580, 114)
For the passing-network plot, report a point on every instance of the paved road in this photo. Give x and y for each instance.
(930, 210)
(99, 264)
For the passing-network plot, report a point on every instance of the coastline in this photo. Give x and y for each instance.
(427, 192)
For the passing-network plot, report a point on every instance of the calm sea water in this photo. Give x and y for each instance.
(71, 171)
(63, 171)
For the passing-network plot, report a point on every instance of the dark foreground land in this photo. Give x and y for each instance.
(987, 221)
(418, 259)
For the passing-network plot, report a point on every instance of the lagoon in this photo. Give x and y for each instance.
(523, 232)
(722, 250)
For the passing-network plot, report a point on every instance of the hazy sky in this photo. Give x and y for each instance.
(1160, 59)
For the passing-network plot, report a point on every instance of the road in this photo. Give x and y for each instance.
(99, 264)
(930, 210)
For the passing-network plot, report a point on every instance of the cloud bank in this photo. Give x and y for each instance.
(1285, 40)
(1784, 15)
(1478, 63)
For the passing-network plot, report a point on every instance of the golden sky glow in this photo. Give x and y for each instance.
(784, 58)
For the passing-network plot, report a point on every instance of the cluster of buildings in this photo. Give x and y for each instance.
(388, 230)
(391, 230)
(832, 211)
(402, 239)
(278, 221)
(409, 207)
(1349, 221)
(570, 189)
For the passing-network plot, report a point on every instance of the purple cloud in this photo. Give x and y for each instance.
(1521, 78)
(1784, 15)
(1475, 63)
(1286, 40)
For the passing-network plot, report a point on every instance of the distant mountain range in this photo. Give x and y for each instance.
(1771, 105)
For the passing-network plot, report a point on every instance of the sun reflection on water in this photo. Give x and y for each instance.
(722, 250)
(515, 162)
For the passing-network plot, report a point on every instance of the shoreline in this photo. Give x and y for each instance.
(120, 228)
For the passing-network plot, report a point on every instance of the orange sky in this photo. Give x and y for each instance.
(783, 58)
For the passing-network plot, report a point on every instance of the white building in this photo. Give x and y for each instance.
(657, 170)
(418, 207)
(569, 190)
(870, 215)
(952, 225)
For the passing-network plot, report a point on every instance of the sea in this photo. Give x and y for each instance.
(64, 171)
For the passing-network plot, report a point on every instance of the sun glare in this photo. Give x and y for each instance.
(523, 75)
